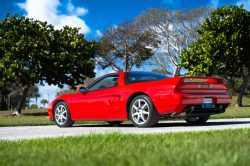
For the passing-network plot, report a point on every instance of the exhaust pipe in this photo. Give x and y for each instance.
(190, 110)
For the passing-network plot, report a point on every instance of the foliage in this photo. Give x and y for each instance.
(32, 52)
(33, 106)
(175, 29)
(36, 95)
(44, 101)
(221, 147)
(13, 93)
(160, 71)
(32, 91)
(223, 48)
(124, 45)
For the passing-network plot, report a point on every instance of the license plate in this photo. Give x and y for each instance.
(208, 103)
(208, 100)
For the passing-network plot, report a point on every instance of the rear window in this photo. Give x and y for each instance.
(134, 77)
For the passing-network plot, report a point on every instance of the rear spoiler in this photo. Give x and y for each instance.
(201, 83)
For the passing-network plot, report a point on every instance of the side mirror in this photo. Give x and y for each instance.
(81, 89)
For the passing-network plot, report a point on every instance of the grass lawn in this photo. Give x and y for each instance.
(34, 117)
(207, 148)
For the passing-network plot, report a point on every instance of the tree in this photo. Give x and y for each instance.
(33, 106)
(36, 95)
(16, 91)
(32, 91)
(34, 52)
(223, 49)
(160, 71)
(124, 45)
(44, 101)
(175, 29)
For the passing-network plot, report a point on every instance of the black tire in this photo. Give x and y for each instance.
(199, 120)
(115, 123)
(151, 118)
(58, 116)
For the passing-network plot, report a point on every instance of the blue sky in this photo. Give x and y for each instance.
(93, 16)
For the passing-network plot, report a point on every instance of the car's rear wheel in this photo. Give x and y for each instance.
(142, 112)
(115, 123)
(62, 115)
(197, 120)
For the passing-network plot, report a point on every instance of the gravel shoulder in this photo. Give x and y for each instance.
(31, 132)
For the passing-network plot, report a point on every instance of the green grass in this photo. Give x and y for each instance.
(25, 112)
(35, 121)
(208, 148)
(29, 120)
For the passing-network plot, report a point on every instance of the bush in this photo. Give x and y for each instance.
(33, 106)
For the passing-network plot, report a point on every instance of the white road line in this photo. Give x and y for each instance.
(30, 132)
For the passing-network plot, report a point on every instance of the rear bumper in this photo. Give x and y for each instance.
(180, 101)
(196, 110)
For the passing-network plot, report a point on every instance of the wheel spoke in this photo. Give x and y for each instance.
(143, 107)
(142, 117)
(139, 104)
(136, 108)
(138, 118)
(136, 113)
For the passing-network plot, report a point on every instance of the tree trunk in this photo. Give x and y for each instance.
(36, 101)
(177, 71)
(125, 62)
(22, 100)
(10, 103)
(243, 88)
(29, 102)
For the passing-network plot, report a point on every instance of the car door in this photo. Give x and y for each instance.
(97, 98)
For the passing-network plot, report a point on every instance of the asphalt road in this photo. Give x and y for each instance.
(29, 132)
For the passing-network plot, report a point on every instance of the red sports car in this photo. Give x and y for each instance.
(143, 98)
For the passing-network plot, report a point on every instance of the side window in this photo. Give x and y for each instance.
(103, 83)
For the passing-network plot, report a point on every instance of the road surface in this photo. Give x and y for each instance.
(30, 132)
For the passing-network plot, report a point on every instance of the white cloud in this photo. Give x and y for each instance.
(246, 4)
(98, 33)
(215, 3)
(70, 7)
(79, 11)
(46, 10)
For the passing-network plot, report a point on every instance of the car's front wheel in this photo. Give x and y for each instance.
(197, 120)
(142, 112)
(62, 115)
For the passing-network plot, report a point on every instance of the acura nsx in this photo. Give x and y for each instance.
(144, 98)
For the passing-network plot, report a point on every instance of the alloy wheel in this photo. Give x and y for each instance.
(140, 111)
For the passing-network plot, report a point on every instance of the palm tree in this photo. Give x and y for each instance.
(36, 95)
(44, 101)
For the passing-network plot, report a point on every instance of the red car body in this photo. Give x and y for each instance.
(170, 97)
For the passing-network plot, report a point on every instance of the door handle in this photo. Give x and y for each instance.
(110, 90)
